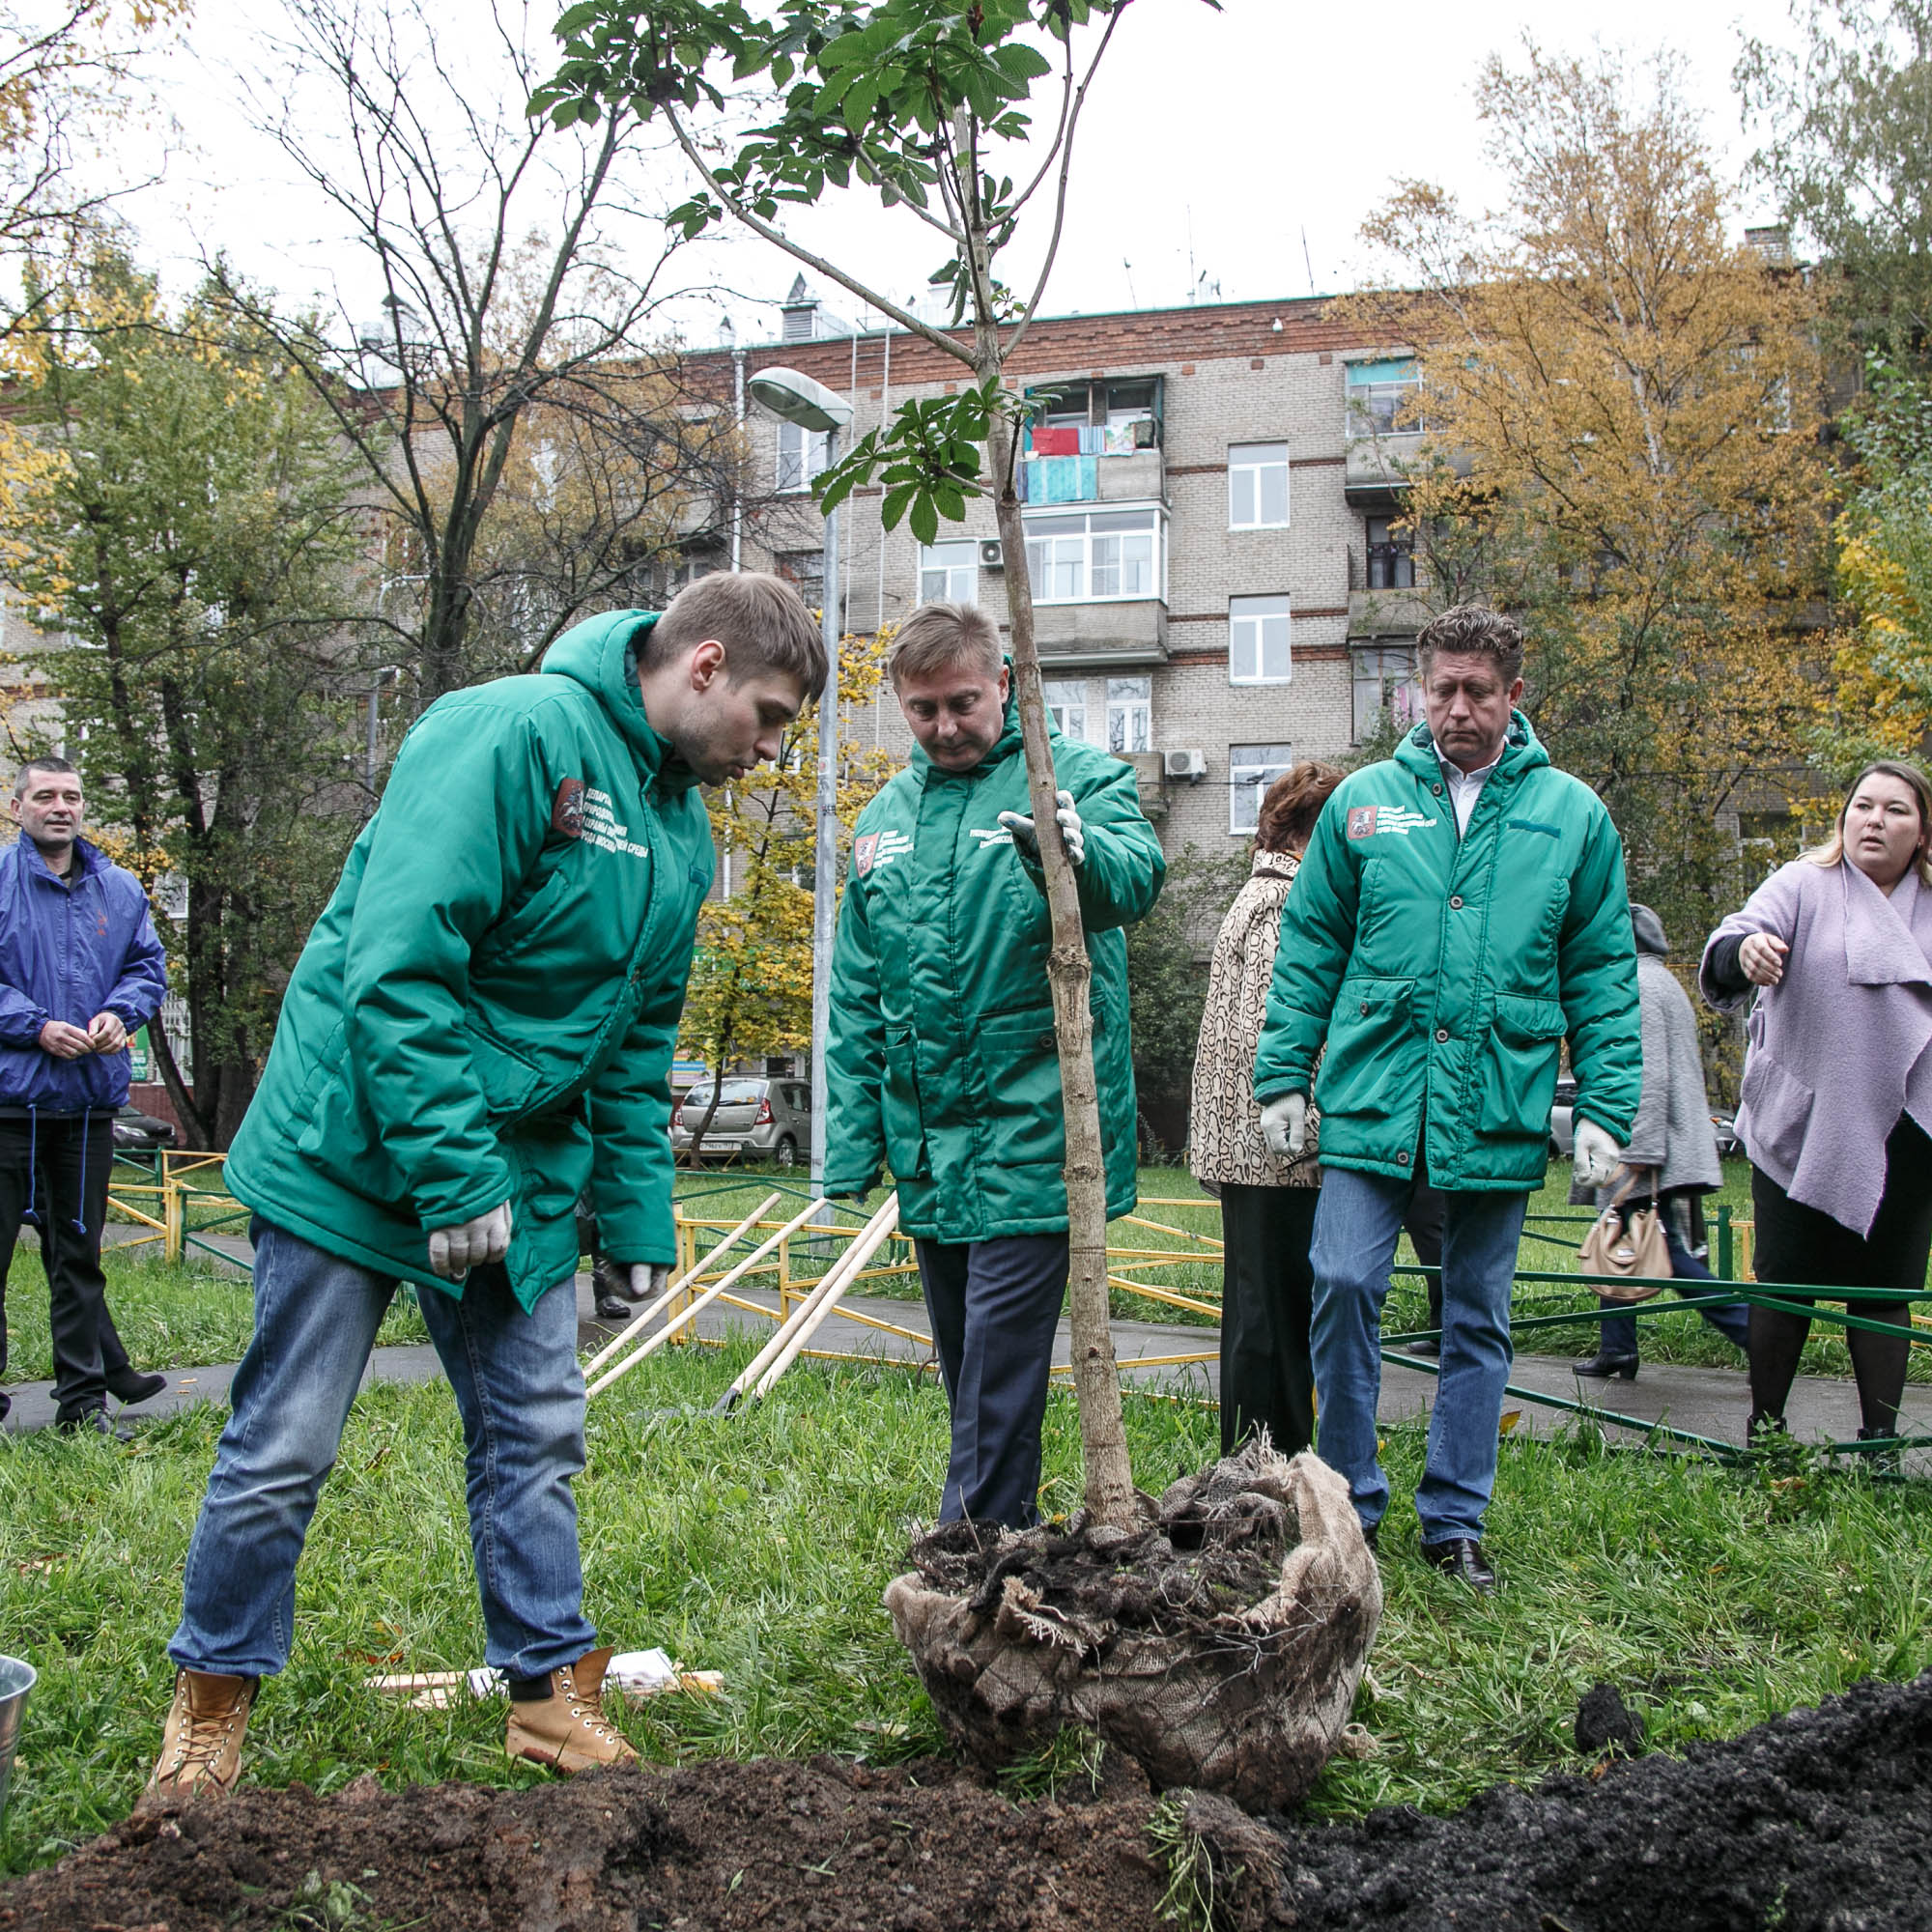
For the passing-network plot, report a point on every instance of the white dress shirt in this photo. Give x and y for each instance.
(1465, 787)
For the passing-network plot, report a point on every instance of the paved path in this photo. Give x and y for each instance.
(1706, 1402)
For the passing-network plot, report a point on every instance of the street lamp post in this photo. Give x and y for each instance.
(796, 398)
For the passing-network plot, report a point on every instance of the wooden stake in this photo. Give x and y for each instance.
(619, 1342)
(686, 1316)
(886, 1216)
(809, 1321)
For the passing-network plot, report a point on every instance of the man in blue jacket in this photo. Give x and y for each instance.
(80, 969)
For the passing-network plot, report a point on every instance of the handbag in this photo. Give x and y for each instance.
(1625, 1244)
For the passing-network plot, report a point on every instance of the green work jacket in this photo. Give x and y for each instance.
(487, 1009)
(941, 1061)
(1444, 972)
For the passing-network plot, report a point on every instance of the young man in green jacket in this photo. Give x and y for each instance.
(1460, 910)
(942, 1061)
(482, 1024)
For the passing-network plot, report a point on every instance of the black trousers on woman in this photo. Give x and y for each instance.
(1266, 1378)
(1796, 1243)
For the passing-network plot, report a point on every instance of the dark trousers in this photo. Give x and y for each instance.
(1796, 1243)
(1730, 1319)
(1266, 1303)
(994, 1306)
(1266, 1378)
(66, 1160)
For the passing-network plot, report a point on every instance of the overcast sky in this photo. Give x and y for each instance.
(1239, 151)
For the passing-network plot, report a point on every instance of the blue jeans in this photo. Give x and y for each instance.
(1730, 1319)
(520, 1394)
(1355, 1230)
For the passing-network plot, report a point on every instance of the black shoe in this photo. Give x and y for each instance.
(1462, 1556)
(1427, 1346)
(1604, 1367)
(94, 1422)
(1880, 1461)
(131, 1386)
(1370, 1532)
(612, 1308)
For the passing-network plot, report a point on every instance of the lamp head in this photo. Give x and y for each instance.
(797, 398)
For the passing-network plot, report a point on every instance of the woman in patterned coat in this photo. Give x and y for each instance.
(1268, 1205)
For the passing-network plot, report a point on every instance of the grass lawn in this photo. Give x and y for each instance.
(758, 1546)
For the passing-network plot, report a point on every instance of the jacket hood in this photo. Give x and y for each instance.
(1522, 750)
(1647, 930)
(1276, 865)
(601, 655)
(27, 854)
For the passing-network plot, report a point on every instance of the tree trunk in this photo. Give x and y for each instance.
(1103, 1439)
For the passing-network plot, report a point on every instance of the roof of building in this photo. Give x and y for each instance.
(1096, 345)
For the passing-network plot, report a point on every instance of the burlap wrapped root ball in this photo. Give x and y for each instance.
(1220, 1645)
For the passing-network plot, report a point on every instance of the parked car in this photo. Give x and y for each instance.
(756, 1119)
(136, 1132)
(1561, 1131)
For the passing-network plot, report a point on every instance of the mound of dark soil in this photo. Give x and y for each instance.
(823, 1845)
(1819, 1822)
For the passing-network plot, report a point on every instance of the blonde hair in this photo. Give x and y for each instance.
(1833, 851)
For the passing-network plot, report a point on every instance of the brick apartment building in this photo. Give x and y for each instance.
(1217, 590)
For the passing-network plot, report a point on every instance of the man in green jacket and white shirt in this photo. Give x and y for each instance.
(482, 1024)
(941, 1061)
(1460, 912)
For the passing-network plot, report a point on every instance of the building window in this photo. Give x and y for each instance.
(1096, 557)
(1391, 556)
(1257, 640)
(1130, 714)
(1385, 679)
(948, 573)
(805, 571)
(1066, 705)
(1257, 486)
(1251, 770)
(801, 456)
(1381, 397)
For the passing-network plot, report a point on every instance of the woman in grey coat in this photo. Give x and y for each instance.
(1672, 1149)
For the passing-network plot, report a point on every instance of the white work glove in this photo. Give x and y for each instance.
(1285, 1126)
(1072, 834)
(454, 1251)
(648, 1280)
(1596, 1155)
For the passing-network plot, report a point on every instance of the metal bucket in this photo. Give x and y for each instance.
(17, 1679)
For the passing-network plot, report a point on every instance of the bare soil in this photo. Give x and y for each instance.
(1819, 1822)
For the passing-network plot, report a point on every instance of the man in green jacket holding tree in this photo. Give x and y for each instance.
(1460, 912)
(942, 1061)
(482, 1024)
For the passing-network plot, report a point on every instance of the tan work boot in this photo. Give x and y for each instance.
(201, 1746)
(566, 1730)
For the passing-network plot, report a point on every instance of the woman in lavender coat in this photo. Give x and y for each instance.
(1838, 1083)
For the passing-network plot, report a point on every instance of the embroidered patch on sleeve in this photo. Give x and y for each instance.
(863, 849)
(566, 808)
(1361, 821)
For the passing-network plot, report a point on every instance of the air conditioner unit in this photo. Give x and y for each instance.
(1189, 765)
(992, 555)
